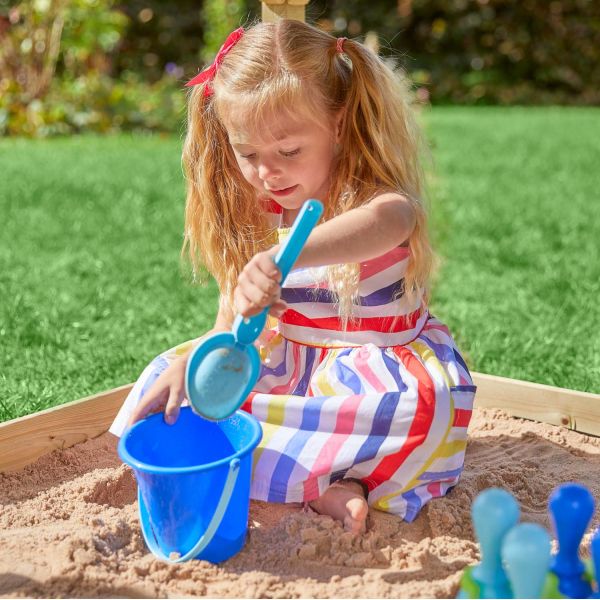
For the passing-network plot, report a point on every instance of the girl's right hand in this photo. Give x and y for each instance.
(258, 286)
(167, 392)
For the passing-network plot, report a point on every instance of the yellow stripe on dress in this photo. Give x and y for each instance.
(321, 381)
(274, 420)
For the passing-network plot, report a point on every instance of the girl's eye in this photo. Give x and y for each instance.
(292, 152)
(247, 156)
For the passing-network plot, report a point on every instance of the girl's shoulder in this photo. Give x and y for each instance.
(390, 195)
(389, 200)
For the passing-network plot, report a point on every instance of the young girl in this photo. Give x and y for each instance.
(363, 397)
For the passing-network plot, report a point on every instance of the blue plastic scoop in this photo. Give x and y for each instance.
(223, 369)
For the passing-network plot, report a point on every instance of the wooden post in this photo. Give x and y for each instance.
(283, 9)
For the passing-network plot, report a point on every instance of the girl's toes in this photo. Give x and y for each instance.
(356, 519)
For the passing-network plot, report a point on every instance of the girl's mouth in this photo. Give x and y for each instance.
(283, 192)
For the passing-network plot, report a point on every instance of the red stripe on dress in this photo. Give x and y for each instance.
(441, 328)
(371, 267)
(344, 426)
(247, 406)
(394, 324)
(435, 489)
(461, 417)
(310, 490)
(420, 425)
(362, 366)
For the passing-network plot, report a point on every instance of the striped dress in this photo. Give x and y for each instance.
(387, 400)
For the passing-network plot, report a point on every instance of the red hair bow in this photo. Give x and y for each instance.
(209, 73)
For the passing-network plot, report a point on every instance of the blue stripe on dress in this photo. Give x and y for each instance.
(380, 428)
(302, 386)
(460, 361)
(413, 505)
(393, 368)
(289, 456)
(338, 475)
(463, 388)
(379, 297)
(438, 475)
(346, 375)
(443, 352)
(280, 369)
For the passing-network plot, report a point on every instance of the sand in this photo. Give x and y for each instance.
(69, 527)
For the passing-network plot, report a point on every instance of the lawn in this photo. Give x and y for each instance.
(91, 286)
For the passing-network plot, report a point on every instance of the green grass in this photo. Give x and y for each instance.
(91, 286)
(516, 222)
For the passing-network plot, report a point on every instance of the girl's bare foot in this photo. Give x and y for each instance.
(345, 501)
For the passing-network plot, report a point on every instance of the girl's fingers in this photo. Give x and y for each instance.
(265, 263)
(150, 403)
(243, 304)
(249, 301)
(173, 405)
(256, 283)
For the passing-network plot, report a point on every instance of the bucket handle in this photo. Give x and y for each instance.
(207, 536)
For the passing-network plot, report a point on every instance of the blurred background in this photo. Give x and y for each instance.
(101, 65)
(92, 194)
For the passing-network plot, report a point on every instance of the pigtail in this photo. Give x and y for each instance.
(384, 147)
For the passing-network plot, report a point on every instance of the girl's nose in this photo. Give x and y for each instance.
(268, 171)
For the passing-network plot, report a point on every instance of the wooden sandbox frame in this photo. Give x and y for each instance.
(24, 440)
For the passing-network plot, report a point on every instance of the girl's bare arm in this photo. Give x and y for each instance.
(361, 233)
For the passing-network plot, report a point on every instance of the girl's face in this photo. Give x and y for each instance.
(288, 160)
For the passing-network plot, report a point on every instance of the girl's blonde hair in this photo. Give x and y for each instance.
(291, 68)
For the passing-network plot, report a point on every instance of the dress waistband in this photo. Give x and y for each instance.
(322, 338)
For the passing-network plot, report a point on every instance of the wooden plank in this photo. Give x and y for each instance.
(579, 411)
(24, 440)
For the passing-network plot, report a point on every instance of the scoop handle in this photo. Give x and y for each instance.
(247, 330)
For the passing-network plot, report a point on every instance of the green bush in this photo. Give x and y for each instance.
(57, 79)
(99, 65)
(483, 51)
(96, 103)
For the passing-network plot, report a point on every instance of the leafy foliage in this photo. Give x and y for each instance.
(103, 65)
(57, 59)
(483, 51)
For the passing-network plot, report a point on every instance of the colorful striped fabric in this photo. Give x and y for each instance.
(394, 417)
(387, 401)
(383, 316)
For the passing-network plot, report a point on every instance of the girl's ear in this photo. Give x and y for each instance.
(339, 124)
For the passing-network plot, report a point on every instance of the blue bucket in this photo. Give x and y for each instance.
(193, 483)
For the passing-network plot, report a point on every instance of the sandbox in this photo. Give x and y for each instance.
(69, 527)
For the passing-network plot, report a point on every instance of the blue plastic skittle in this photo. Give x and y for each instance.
(526, 557)
(571, 508)
(223, 369)
(494, 513)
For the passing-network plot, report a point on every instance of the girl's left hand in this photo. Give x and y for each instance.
(258, 286)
